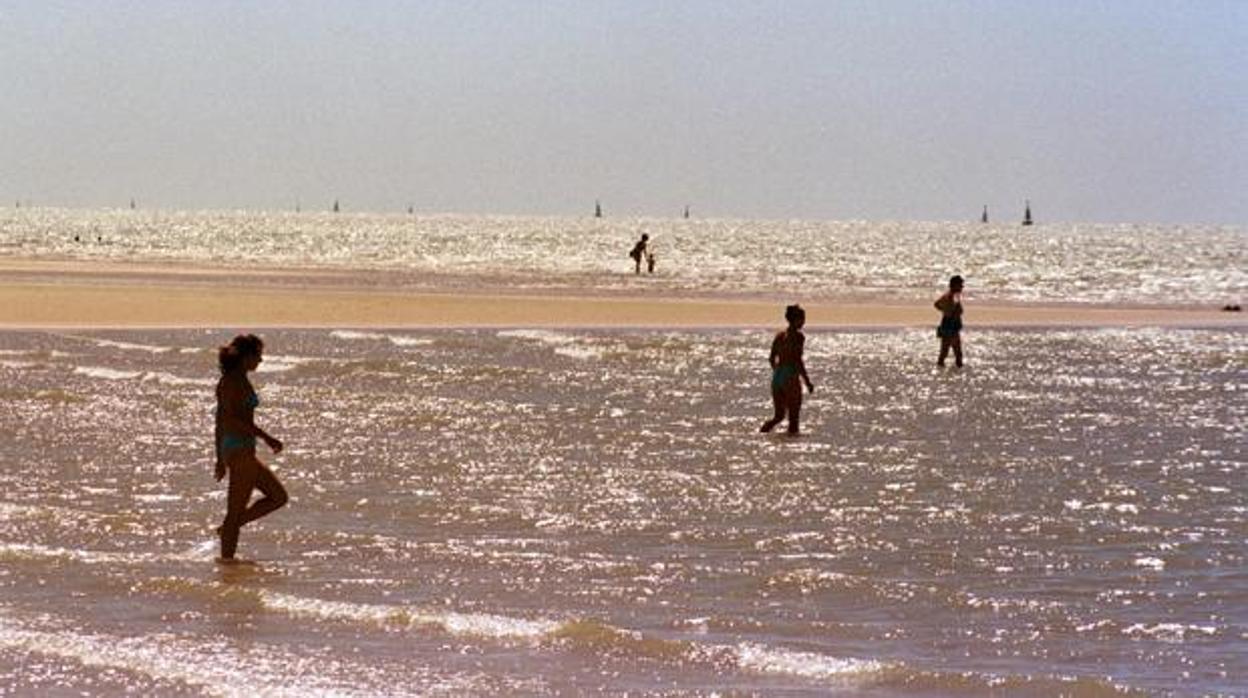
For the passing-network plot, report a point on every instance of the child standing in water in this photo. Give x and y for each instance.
(788, 371)
(950, 329)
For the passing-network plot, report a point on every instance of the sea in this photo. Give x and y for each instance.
(589, 511)
(1059, 263)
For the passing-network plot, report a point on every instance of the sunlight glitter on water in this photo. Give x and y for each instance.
(548, 512)
(1053, 262)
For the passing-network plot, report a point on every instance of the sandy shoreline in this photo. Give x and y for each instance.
(39, 294)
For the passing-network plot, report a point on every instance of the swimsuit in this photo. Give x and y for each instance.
(781, 375)
(950, 326)
(788, 354)
(230, 442)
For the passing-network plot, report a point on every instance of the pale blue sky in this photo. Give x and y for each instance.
(1097, 111)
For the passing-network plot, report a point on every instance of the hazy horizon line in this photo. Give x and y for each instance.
(417, 212)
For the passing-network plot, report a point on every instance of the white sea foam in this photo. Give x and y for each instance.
(221, 669)
(356, 335)
(130, 346)
(158, 498)
(1169, 632)
(751, 657)
(17, 364)
(35, 551)
(406, 341)
(468, 624)
(170, 379)
(163, 377)
(583, 353)
(398, 340)
(543, 336)
(560, 343)
(104, 373)
(280, 363)
(768, 660)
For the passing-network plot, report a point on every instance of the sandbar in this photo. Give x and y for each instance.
(40, 294)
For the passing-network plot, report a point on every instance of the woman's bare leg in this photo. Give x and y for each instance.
(795, 409)
(945, 342)
(956, 343)
(274, 495)
(243, 473)
(777, 399)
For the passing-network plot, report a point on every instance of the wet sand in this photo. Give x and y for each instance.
(36, 293)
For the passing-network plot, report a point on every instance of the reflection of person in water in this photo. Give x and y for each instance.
(236, 434)
(950, 329)
(639, 251)
(788, 371)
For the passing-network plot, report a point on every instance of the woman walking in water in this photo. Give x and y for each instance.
(950, 329)
(788, 371)
(236, 433)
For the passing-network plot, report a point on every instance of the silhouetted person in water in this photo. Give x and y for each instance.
(650, 261)
(639, 251)
(788, 371)
(950, 329)
(236, 434)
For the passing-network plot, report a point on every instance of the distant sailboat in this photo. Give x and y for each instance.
(1027, 214)
(984, 218)
(597, 209)
(335, 205)
(686, 212)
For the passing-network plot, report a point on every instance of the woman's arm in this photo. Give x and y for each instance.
(774, 359)
(216, 430)
(234, 406)
(801, 362)
(219, 465)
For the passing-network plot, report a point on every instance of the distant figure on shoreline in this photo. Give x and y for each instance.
(950, 329)
(650, 259)
(788, 371)
(235, 434)
(639, 251)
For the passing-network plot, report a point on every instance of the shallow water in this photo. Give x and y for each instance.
(544, 512)
(1050, 262)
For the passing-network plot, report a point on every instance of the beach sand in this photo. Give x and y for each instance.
(35, 294)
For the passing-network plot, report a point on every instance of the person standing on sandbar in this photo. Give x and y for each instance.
(788, 371)
(950, 329)
(236, 434)
(639, 252)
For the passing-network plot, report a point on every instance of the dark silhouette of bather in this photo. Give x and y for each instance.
(639, 252)
(236, 434)
(788, 372)
(950, 329)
